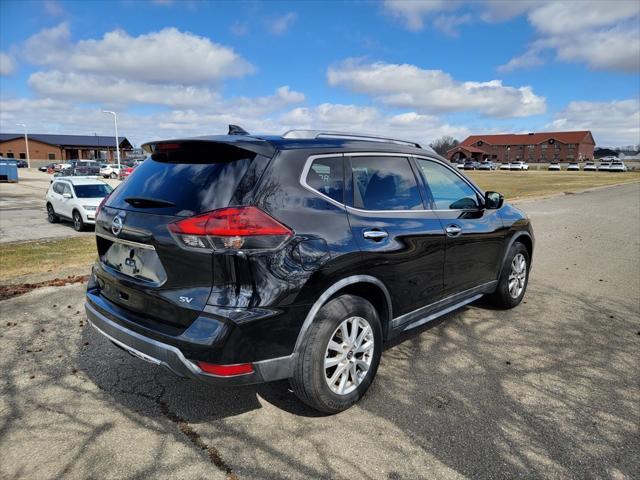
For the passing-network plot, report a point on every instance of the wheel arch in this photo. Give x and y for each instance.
(365, 286)
(522, 236)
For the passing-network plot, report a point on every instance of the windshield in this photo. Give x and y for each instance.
(98, 190)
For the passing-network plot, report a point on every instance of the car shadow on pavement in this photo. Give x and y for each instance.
(544, 390)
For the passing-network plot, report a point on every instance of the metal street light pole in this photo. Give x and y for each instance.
(26, 142)
(115, 121)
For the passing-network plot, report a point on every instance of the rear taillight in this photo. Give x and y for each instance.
(232, 228)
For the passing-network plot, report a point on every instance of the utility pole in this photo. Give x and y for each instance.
(115, 121)
(26, 142)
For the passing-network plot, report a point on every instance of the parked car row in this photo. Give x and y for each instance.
(615, 166)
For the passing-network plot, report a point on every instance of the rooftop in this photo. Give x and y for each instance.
(530, 138)
(90, 141)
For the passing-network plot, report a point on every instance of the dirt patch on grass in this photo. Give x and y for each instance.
(9, 291)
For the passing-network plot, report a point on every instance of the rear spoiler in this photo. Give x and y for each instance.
(240, 142)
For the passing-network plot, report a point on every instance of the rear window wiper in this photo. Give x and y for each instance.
(144, 202)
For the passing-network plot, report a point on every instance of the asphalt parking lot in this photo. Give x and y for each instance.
(548, 390)
(23, 215)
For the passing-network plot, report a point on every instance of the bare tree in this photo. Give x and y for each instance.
(443, 144)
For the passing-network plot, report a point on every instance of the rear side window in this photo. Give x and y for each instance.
(448, 190)
(384, 183)
(326, 175)
(191, 184)
(57, 187)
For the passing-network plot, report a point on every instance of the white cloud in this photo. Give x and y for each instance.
(605, 35)
(615, 123)
(53, 8)
(279, 25)
(90, 88)
(7, 64)
(412, 12)
(167, 56)
(358, 119)
(530, 58)
(563, 17)
(449, 24)
(408, 86)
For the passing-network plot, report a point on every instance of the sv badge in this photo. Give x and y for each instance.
(185, 299)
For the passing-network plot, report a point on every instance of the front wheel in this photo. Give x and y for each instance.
(78, 224)
(114, 175)
(514, 278)
(339, 356)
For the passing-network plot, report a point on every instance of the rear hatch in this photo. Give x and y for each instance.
(147, 269)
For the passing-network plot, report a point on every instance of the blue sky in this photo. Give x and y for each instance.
(414, 69)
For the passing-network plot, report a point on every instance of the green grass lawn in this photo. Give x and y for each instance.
(535, 183)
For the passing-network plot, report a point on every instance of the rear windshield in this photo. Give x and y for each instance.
(189, 183)
(92, 191)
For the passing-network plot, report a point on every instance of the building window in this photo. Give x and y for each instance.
(543, 146)
(571, 146)
(52, 156)
(10, 155)
(23, 156)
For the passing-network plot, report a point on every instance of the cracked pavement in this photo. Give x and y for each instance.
(548, 390)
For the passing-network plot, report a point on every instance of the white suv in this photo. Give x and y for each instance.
(110, 171)
(75, 199)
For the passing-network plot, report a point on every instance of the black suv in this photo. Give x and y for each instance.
(240, 259)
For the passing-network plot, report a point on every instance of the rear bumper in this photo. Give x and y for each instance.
(172, 358)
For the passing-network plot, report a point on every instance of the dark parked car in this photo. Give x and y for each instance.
(22, 164)
(240, 259)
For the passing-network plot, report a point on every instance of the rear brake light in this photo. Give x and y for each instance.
(226, 370)
(231, 228)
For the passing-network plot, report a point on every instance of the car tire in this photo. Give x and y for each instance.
(51, 214)
(314, 369)
(114, 175)
(513, 282)
(78, 223)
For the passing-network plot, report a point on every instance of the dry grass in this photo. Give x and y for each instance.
(540, 183)
(52, 256)
(45, 256)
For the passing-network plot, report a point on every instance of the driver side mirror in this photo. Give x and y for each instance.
(493, 200)
(66, 195)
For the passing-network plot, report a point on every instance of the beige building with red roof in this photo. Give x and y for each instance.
(542, 147)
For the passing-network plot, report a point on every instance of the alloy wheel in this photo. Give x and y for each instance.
(349, 355)
(77, 221)
(518, 275)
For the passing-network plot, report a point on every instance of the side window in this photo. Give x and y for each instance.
(384, 183)
(326, 175)
(449, 191)
(57, 187)
(67, 189)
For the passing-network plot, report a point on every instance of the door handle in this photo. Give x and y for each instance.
(376, 235)
(453, 230)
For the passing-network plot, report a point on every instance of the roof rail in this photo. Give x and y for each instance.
(313, 134)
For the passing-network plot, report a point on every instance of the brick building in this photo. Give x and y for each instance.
(543, 147)
(60, 148)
